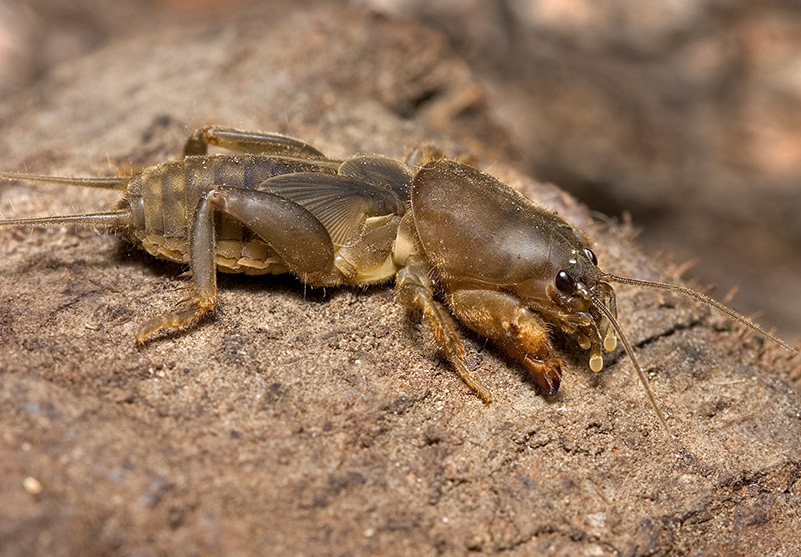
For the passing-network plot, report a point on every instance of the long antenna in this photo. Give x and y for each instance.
(640, 373)
(701, 298)
(103, 183)
(109, 218)
(117, 218)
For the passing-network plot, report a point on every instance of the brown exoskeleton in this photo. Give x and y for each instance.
(504, 267)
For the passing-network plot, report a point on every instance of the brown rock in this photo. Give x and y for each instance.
(311, 422)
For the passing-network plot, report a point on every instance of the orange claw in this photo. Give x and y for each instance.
(546, 374)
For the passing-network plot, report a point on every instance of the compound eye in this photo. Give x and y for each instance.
(564, 282)
(591, 256)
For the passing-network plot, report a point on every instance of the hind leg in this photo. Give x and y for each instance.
(290, 230)
(257, 143)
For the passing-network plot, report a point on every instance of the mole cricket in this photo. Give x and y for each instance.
(456, 240)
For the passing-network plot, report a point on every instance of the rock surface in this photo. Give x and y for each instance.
(324, 422)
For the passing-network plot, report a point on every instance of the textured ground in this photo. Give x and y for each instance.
(310, 422)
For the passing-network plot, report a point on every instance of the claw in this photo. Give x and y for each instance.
(174, 321)
(546, 374)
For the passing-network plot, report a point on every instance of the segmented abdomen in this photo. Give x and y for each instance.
(163, 199)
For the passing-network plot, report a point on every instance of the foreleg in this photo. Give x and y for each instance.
(515, 328)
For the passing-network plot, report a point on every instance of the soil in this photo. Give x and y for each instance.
(324, 422)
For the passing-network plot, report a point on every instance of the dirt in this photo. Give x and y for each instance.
(324, 422)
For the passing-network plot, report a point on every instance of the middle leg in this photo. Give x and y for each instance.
(413, 289)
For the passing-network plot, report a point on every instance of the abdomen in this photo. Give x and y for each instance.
(163, 199)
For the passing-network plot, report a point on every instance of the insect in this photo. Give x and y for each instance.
(503, 266)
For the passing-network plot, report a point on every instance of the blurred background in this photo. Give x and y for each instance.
(683, 114)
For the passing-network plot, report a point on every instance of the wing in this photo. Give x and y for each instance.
(379, 171)
(340, 203)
